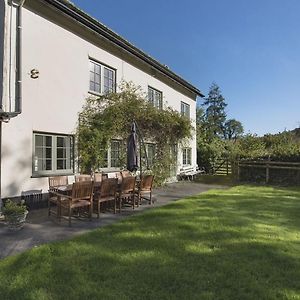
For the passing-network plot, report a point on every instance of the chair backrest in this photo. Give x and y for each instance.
(125, 174)
(57, 181)
(108, 187)
(98, 177)
(111, 175)
(82, 190)
(128, 184)
(119, 177)
(146, 182)
(83, 177)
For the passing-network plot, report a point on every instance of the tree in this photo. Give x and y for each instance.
(110, 116)
(215, 111)
(233, 129)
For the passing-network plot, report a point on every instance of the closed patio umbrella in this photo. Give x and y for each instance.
(132, 155)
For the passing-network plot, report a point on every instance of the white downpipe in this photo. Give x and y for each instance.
(18, 4)
(10, 71)
(18, 50)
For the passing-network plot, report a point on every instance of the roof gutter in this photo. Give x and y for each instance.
(91, 23)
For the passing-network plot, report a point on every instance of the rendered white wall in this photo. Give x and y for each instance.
(51, 103)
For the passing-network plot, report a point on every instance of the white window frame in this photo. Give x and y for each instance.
(101, 78)
(187, 156)
(174, 157)
(185, 109)
(54, 170)
(108, 165)
(119, 142)
(157, 96)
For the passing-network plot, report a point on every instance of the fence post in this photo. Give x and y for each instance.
(238, 169)
(268, 171)
(227, 165)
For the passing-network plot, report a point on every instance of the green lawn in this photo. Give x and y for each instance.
(241, 243)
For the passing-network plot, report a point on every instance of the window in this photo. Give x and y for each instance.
(186, 156)
(53, 154)
(173, 166)
(115, 153)
(150, 149)
(155, 97)
(185, 109)
(102, 78)
(113, 156)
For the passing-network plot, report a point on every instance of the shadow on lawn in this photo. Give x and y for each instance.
(205, 247)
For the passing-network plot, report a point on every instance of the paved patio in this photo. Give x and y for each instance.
(41, 229)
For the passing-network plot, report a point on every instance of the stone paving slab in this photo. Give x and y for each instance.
(40, 229)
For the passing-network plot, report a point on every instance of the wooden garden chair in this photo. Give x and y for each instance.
(127, 191)
(144, 190)
(98, 177)
(54, 183)
(125, 174)
(107, 193)
(81, 197)
(119, 176)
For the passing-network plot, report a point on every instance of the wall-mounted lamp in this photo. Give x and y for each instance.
(34, 73)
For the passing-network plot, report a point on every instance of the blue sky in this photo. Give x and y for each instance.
(251, 49)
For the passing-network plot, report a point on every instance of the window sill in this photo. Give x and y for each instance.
(95, 94)
(51, 174)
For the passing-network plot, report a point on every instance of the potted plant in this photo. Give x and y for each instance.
(15, 214)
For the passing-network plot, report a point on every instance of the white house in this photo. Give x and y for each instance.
(53, 56)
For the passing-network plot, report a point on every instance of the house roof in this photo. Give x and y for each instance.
(77, 14)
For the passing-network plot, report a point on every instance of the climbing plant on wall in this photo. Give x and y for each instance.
(110, 117)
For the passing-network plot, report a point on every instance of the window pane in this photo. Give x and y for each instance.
(39, 166)
(92, 76)
(95, 77)
(189, 156)
(186, 156)
(68, 163)
(48, 152)
(92, 86)
(97, 88)
(115, 154)
(60, 142)
(150, 153)
(38, 140)
(92, 67)
(108, 80)
(61, 164)
(48, 164)
(61, 153)
(106, 72)
(97, 69)
(48, 141)
(39, 152)
(185, 109)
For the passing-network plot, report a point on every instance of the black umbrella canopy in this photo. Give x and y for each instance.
(132, 144)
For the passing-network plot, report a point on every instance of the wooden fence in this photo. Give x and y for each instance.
(267, 171)
(222, 167)
(259, 171)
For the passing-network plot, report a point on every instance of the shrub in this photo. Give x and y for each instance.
(13, 208)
